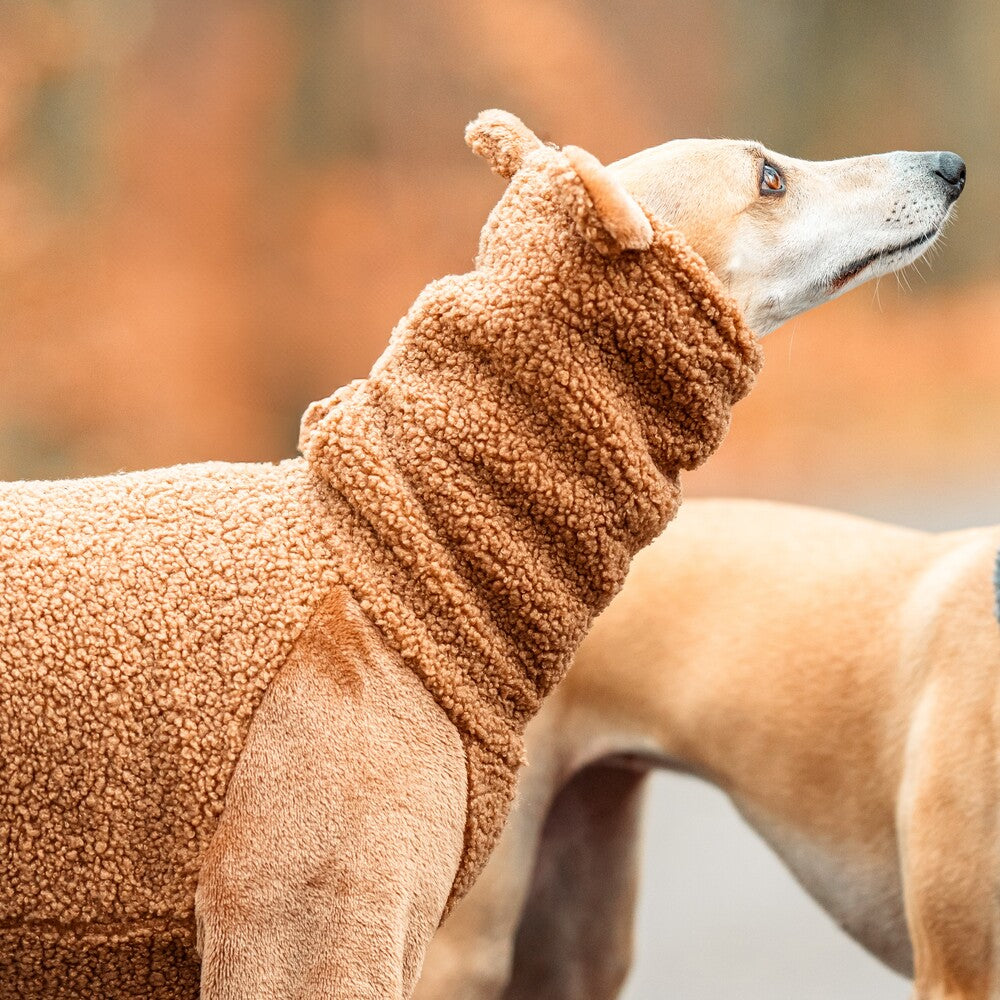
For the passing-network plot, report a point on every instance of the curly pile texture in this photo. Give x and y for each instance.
(143, 617)
(480, 495)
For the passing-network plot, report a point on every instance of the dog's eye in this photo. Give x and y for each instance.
(771, 182)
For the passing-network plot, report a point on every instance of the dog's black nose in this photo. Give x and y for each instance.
(951, 169)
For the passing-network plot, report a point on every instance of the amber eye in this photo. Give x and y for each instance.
(771, 182)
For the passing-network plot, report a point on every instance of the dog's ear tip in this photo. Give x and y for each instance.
(639, 236)
(502, 139)
(491, 118)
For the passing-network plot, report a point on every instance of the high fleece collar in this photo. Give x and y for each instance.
(522, 435)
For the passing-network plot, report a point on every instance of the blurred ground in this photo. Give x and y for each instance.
(213, 213)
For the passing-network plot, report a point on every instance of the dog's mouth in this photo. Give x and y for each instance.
(855, 268)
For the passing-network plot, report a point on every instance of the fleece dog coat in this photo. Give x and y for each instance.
(479, 495)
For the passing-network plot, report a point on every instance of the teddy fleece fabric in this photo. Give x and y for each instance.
(480, 495)
(142, 618)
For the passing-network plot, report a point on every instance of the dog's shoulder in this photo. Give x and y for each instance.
(340, 643)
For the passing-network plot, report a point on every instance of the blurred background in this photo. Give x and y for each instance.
(213, 212)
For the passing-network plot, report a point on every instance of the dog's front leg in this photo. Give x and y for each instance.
(342, 830)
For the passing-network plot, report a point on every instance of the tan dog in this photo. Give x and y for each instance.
(283, 705)
(837, 677)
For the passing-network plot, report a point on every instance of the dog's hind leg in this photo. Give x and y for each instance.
(342, 829)
(574, 941)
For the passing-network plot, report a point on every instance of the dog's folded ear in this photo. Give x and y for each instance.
(604, 212)
(501, 139)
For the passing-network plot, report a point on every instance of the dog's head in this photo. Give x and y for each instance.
(784, 235)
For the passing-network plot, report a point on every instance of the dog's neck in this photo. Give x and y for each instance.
(518, 441)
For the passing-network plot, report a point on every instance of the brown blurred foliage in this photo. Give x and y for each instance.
(214, 212)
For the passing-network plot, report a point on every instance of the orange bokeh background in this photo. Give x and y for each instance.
(214, 213)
